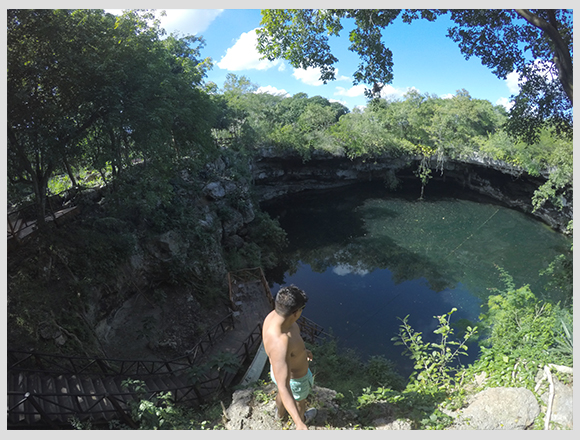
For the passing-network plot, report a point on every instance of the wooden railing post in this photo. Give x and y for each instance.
(122, 412)
(30, 398)
(103, 365)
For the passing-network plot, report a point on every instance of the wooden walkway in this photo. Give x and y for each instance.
(18, 229)
(47, 390)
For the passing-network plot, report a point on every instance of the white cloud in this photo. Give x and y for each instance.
(389, 91)
(544, 68)
(505, 102)
(338, 100)
(345, 269)
(353, 92)
(183, 21)
(273, 91)
(189, 21)
(244, 55)
(309, 76)
(512, 82)
(447, 96)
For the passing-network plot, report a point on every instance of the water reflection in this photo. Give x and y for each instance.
(367, 257)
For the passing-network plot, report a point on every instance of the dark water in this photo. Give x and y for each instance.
(367, 257)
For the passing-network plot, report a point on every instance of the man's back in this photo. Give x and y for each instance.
(287, 342)
(288, 355)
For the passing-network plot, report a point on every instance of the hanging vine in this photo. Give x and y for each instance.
(424, 171)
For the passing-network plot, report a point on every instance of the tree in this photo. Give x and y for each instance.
(89, 87)
(538, 45)
(505, 40)
(55, 90)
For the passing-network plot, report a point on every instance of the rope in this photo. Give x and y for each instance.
(399, 294)
(471, 235)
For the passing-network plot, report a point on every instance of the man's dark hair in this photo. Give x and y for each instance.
(289, 299)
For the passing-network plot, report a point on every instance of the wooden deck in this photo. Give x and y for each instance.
(19, 229)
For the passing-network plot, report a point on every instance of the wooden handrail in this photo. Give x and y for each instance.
(46, 362)
(196, 392)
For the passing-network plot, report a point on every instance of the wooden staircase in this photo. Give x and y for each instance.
(48, 390)
(53, 400)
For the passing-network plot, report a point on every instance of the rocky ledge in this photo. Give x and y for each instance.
(500, 408)
(277, 174)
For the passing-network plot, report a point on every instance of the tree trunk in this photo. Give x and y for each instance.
(40, 199)
(40, 185)
(70, 173)
(562, 57)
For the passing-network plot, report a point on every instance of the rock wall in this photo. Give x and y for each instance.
(498, 408)
(162, 316)
(278, 174)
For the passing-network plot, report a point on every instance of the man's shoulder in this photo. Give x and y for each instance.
(274, 339)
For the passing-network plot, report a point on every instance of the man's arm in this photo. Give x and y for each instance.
(282, 376)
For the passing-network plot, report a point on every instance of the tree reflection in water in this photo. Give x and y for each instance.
(367, 257)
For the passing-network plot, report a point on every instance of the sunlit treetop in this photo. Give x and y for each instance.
(535, 43)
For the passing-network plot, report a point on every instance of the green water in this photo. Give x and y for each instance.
(367, 257)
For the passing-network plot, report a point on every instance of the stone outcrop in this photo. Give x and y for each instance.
(222, 210)
(499, 408)
(277, 174)
(254, 409)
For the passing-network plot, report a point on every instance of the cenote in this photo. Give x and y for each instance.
(368, 257)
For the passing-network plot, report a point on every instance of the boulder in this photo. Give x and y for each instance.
(500, 408)
(255, 409)
(562, 408)
(167, 246)
(214, 190)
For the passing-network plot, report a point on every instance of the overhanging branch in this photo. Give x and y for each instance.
(562, 57)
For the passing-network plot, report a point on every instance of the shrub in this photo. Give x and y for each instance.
(434, 362)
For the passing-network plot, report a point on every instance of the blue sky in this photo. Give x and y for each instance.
(424, 59)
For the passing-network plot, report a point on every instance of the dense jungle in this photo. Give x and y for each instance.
(167, 174)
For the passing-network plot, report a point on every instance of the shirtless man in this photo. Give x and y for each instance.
(288, 355)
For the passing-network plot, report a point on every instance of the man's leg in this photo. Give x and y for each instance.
(301, 408)
(282, 413)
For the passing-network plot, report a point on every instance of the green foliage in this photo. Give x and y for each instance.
(383, 372)
(159, 411)
(522, 334)
(505, 40)
(125, 95)
(560, 277)
(556, 155)
(563, 348)
(142, 198)
(519, 324)
(433, 385)
(433, 360)
(265, 241)
(261, 396)
(423, 171)
(343, 371)
(422, 408)
(548, 154)
(224, 363)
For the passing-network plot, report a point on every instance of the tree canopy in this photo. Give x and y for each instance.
(537, 44)
(94, 89)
